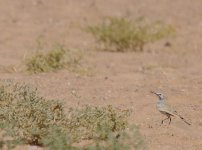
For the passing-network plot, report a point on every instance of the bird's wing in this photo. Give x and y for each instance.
(166, 108)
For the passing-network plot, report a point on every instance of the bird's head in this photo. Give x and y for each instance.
(160, 95)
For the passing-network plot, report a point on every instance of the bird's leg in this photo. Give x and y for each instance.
(165, 119)
(170, 119)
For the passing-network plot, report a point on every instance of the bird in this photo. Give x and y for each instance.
(165, 109)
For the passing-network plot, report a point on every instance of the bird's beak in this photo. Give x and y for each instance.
(154, 92)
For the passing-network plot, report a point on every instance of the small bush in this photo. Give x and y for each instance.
(120, 34)
(56, 59)
(129, 139)
(26, 116)
(97, 122)
(58, 140)
(29, 118)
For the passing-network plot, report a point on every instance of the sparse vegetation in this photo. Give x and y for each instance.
(56, 59)
(129, 139)
(120, 34)
(28, 118)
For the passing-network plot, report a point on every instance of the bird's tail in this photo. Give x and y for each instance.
(184, 119)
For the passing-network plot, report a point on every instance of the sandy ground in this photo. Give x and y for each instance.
(123, 80)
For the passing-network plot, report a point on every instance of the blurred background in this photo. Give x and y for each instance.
(113, 52)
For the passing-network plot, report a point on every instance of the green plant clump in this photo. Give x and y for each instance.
(28, 118)
(99, 121)
(129, 139)
(56, 59)
(25, 115)
(120, 34)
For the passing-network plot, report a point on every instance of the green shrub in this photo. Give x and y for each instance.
(120, 34)
(97, 122)
(56, 59)
(28, 118)
(129, 139)
(58, 140)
